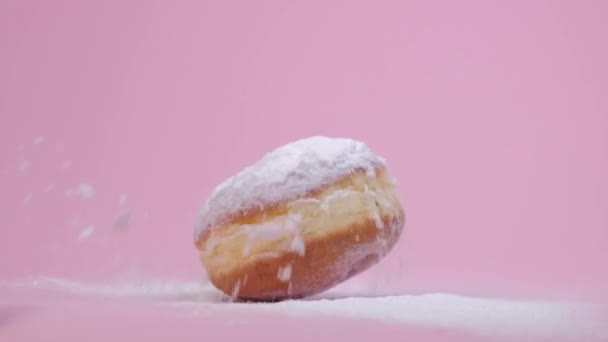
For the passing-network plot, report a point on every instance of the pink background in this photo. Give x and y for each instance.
(493, 117)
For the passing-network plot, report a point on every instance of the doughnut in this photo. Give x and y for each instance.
(304, 218)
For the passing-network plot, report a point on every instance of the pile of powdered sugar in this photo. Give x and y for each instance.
(289, 171)
(483, 317)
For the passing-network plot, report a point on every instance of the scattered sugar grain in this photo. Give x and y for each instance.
(86, 233)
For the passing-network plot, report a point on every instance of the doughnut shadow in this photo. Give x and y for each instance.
(260, 301)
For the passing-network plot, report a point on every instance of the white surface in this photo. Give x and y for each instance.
(479, 316)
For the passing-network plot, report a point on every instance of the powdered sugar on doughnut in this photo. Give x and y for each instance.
(289, 171)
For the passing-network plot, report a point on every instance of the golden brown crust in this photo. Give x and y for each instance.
(316, 271)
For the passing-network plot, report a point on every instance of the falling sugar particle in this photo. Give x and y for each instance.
(236, 289)
(23, 166)
(86, 233)
(298, 245)
(122, 221)
(284, 273)
(122, 199)
(377, 220)
(27, 199)
(39, 140)
(84, 190)
(48, 188)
